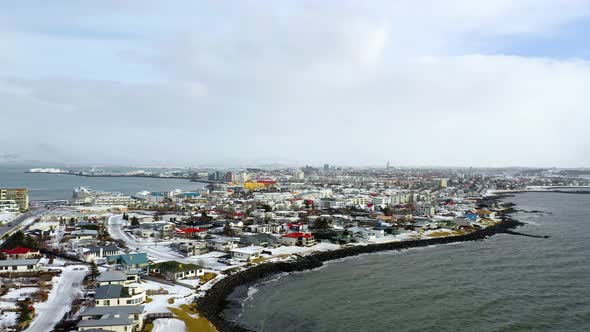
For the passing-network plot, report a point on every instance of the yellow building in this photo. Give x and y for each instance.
(253, 186)
(20, 195)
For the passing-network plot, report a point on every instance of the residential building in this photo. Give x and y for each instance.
(113, 277)
(173, 270)
(222, 244)
(9, 206)
(246, 253)
(20, 265)
(19, 195)
(97, 252)
(192, 248)
(20, 253)
(298, 239)
(192, 232)
(119, 295)
(127, 262)
(84, 234)
(112, 318)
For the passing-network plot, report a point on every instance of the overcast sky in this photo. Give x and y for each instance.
(422, 82)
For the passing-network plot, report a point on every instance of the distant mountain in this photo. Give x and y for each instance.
(8, 157)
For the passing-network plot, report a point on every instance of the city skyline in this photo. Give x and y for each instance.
(422, 83)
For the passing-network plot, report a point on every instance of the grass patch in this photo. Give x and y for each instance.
(185, 313)
(257, 260)
(207, 276)
(171, 300)
(439, 234)
(148, 299)
(147, 327)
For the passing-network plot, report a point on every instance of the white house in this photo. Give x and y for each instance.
(84, 234)
(20, 265)
(223, 244)
(119, 295)
(298, 239)
(93, 253)
(246, 253)
(113, 318)
(114, 277)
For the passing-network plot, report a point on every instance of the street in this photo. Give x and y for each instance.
(21, 221)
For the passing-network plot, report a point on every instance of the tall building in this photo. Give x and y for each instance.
(230, 177)
(326, 167)
(241, 177)
(299, 175)
(19, 195)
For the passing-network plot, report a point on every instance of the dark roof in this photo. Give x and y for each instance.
(122, 310)
(108, 292)
(112, 276)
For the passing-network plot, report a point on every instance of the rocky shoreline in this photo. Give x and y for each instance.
(215, 300)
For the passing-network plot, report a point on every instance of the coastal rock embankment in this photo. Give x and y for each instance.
(215, 300)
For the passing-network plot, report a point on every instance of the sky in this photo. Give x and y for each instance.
(189, 83)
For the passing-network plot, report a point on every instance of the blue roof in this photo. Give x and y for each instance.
(130, 259)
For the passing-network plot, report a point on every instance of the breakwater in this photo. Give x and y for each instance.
(215, 300)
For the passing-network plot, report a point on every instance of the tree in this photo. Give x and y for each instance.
(205, 217)
(227, 230)
(24, 312)
(322, 223)
(387, 211)
(94, 271)
(125, 217)
(30, 242)
(134, 221)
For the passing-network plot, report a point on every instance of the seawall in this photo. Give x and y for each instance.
(215, 300)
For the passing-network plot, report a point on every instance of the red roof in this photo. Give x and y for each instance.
(298, 235)
(191, 230)
(17, 251)
(266, 182)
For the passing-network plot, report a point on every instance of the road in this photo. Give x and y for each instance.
(22, 220)
(64, 292)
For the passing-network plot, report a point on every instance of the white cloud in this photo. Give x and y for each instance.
(360, 83)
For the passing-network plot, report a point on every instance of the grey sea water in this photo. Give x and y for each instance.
(504, 283)
(56, 186)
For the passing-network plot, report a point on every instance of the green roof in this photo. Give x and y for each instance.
(174, 266)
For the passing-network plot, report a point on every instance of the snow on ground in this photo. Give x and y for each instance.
(168, 325)
(66, 288)
(290, 250)
(181, 295)
(7, 319)
(17, 293)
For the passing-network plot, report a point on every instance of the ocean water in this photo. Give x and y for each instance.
(504, 283)
(56, 186)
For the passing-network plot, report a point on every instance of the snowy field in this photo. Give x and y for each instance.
(159, 304)
(7, 319)
(168, 325)
(66, 288)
